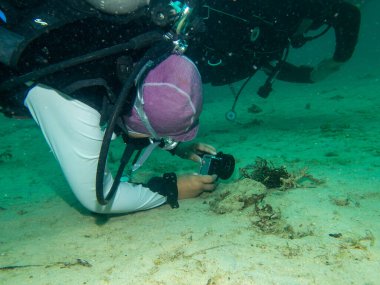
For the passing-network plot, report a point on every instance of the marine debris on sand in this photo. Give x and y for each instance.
(247, 197)
(272, 177)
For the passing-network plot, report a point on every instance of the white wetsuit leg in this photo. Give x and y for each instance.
(72, 131)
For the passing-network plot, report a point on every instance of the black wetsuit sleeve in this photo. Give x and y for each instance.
(345, 19)
(346, 24)
(297, 74)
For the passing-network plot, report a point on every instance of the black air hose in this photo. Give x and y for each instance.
(156, 54)
(138, 42)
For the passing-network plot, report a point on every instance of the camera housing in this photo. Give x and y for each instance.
(220, 164)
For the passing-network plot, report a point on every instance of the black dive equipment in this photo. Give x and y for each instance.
(231, 114)
(298, 40)
(249, 42)
(263, 90)
(223, 165)
(21, 27)
(139, 42)
(266, 88)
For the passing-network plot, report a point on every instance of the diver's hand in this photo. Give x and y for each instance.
(192, 185)
(325, 68)
(192, 151)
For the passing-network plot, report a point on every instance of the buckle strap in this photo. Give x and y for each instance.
(166, 186)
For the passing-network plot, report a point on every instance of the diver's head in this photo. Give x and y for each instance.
(169, 101)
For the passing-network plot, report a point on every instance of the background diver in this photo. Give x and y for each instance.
(242, 37)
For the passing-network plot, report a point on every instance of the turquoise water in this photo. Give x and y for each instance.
(330, 128)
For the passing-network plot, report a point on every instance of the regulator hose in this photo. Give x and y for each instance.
(145, 40)
(157, 53)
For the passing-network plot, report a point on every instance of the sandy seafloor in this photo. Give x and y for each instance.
(332, 128)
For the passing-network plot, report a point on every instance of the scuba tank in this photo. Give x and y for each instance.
(22, 27)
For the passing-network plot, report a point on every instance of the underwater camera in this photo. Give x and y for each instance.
(220, 164)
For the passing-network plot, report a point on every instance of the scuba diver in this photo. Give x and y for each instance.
(243, 37)
(90, 70)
